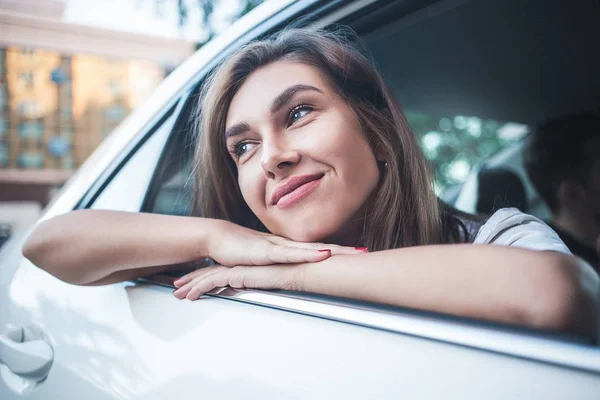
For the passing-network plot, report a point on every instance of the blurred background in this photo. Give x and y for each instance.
(72, 70)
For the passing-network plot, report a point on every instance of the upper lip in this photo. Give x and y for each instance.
(292, 184)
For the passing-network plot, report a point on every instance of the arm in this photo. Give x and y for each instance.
(100, 247)
(87, 246)
(538, 289)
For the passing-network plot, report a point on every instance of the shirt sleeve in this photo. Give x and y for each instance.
(511, 227)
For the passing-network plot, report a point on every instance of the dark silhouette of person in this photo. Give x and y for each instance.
(563, 163)
(497, 188)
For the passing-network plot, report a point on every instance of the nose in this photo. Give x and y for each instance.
(278, 158)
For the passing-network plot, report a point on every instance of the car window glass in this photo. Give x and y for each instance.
(171, 191)
(127, 189)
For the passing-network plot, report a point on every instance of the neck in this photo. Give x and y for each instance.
(583, 227)
(351, 233)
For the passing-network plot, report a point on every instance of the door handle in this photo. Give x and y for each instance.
(30, 359)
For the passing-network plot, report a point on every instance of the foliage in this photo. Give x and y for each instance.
(457, 144)
(207, 8)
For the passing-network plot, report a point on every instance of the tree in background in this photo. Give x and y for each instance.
(207, 10)
(454, 145)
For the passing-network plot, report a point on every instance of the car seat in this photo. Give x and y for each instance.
(497, 188)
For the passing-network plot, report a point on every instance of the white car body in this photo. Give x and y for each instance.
(135, 340)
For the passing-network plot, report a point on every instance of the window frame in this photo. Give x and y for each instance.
(103, 181)
(167, 123)
(180, 127)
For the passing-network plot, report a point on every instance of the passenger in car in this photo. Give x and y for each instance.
(563, 163)
(310, 179)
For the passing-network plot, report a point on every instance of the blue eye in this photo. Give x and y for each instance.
(298, 113)
(241, 148)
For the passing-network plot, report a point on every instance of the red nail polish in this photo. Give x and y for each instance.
(325, 251)
(363, 249)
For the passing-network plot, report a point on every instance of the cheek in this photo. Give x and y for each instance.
(355, 160)
(252, 186)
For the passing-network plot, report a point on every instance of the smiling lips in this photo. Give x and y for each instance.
(294, 189)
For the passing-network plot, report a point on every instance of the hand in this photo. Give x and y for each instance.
(201, 281)
(231, 245)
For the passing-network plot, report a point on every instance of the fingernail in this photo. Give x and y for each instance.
(325, 251)
(363, 249)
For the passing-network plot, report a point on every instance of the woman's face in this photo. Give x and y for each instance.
(304, 165)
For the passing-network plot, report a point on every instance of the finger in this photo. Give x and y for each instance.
(335, 249)
(295, 255)
(260, 277)
(179, 282)
(205, 283)
(193, 279)
(265, 277)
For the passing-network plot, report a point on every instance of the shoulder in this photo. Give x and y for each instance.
(511, 227)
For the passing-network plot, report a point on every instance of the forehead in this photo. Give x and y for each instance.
(255, 95)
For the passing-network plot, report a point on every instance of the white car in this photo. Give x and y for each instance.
(502, 59)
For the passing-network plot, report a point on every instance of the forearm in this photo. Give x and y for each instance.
(537, 289)
(88, 245)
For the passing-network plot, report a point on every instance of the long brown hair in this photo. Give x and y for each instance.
(403, 211)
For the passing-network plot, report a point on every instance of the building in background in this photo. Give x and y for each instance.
(63, 88)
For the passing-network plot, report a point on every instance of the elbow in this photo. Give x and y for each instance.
(36, 244)
(566, 299)
(40, 248)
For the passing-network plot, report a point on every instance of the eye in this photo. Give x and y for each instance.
(241, 148)
(298, 113)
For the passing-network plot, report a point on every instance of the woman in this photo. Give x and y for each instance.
(309, 179)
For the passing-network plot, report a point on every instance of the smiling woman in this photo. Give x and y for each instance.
(309, 178)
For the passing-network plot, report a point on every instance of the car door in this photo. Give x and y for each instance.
(134, 340)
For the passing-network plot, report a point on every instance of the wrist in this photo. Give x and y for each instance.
(208, 235)
(306, 276)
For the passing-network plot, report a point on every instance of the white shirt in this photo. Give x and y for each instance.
(511, 227)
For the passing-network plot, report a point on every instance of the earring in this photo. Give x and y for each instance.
(384, 163)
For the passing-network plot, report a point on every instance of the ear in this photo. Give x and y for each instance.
(570, 194)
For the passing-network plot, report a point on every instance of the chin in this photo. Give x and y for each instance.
(309, 232)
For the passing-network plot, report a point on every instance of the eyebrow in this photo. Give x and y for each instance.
(288, 93)
(276, 105)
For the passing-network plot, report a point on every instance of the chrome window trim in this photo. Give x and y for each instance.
(167, 122)
(342, 13)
